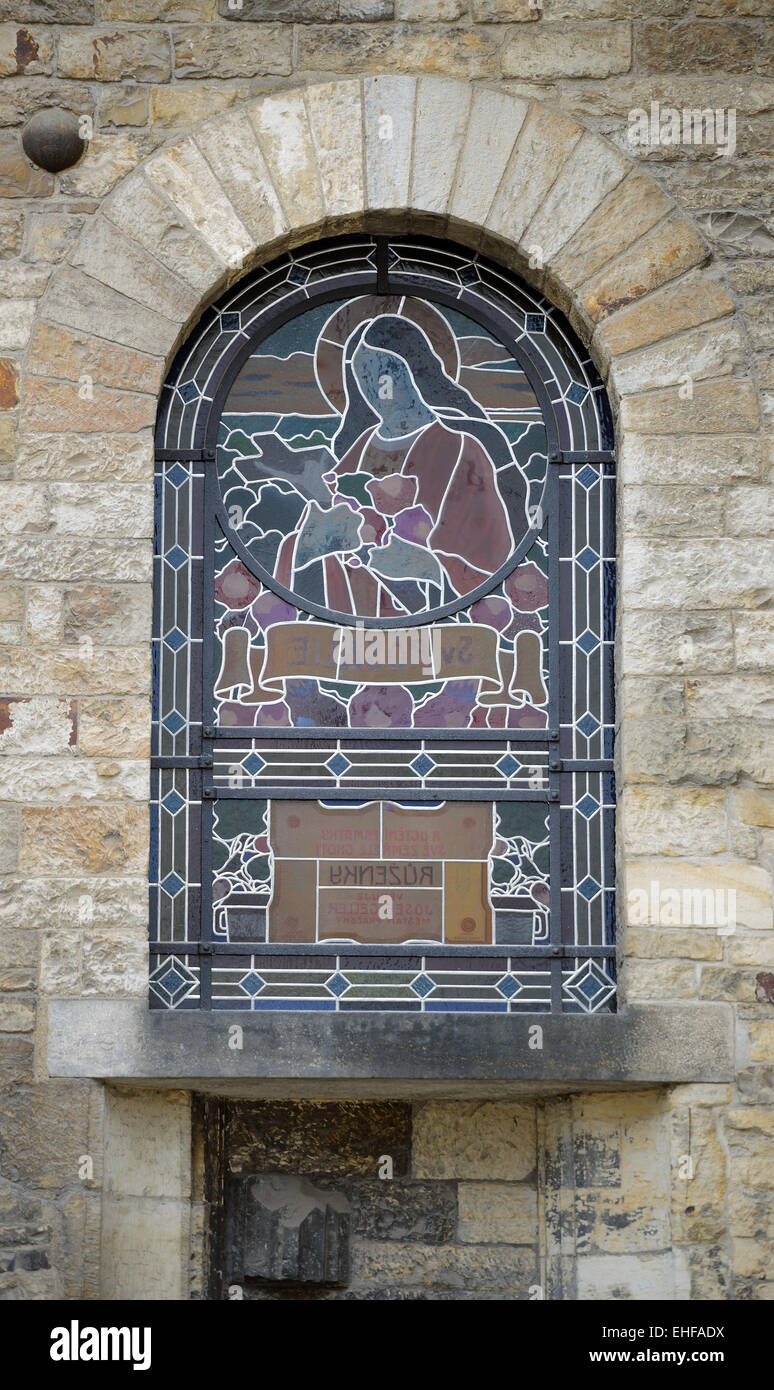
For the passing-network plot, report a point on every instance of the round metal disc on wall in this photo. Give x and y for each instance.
(51, 139)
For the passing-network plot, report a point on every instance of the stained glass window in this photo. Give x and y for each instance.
(383, 652)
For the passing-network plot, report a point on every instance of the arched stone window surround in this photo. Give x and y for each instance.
(528, 186)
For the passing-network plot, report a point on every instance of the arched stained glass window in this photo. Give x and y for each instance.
(383, 679)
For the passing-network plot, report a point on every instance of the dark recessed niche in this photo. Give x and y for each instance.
(52, 140)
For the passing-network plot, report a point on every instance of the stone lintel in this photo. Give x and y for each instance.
(450, 1056)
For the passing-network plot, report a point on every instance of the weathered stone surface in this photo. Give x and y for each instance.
(11, 232)
(231, 148)
(77, 301)
(44, 614)
(52, 235)
(494, 1213)
(98, 55)
(592, 171)
(645, 944)
(493, 125)
(110, 615)
(19, 280)
(628, 211)
(127, 106)
(716, 350)
(567, 50)
(151, 11)
(124, 509)
(123, 457)
(488, 1140)
(710, 753)
(56, 351)
(750, 512)
(396, 48)
(69, 779)
(66, 903)
(703, 891)
(16, 1015)
(142, 212)
(62, 404)
(203, 50)
(106, 254)
(9, 384)
(496, 1267)
(388, 106)
(675, 511)
(731, 47)
(335, 120)
(649, 979)
(445, 104)
(334, 1138)
(674, 822)
(689, 461)
(114, 728)
(667, 250)
(115, 964)
(545, 141)
(711, 408)
(88, 840)
(753, 805)
(45, 1133)
(26, 51)
(60, 961)
(108, 158)
(726, 698)
(40, 725)
(440, 10)
(401, 1210)
(95, 671)
(283, 131)
(18, 178)
(183, 174)
(195, 101)
(671, 575)
(16, 323)
(695, 299)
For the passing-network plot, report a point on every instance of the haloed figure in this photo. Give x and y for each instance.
(416, 517)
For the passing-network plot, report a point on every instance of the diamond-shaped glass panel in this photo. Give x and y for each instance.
(422, 764)
(189, 391)
(422, 985)
(173, 802)
(577, 393)
(338, 764)
(175, 557)
(252, 983)
(588, 806)
(536, 323)
(588, 558)
(587, 476)
(231, 322)
(587, 642)
(589, 888)
(176, 475)
(175, 639)
(172, 885)
(253, 764)
(338, 984)
(588, 725)
(589, 986)
(173, 722)
(508, 986)
(508, 765)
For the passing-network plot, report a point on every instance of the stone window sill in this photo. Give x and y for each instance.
(337, 1055)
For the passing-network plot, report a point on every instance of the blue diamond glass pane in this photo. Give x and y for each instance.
(170, 981)
(422, 985)
(176, 475)
(338, 764)
(175, 557)
(468, 275)
(588, 558)
(508, 986)
(588, 725)
(253, 764)
(577, 393)
(174, 722)
(588, 889)
(297, 275)
(172, 885)
(422, 765)
(173, 802)
(590, 987)
(175, 639)
(536, 323)
(189, 391)
(588, 642)
(337, 984)
(588, 806)
(231, 323)
(587, 476)
(508, 765)
(252, 984)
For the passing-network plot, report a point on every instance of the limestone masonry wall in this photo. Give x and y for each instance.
(219, 134)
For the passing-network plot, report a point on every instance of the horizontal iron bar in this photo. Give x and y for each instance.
(344, 948)
(587, 765)
(580, 456)
(184, 455)
(323, 733)
(381, 793)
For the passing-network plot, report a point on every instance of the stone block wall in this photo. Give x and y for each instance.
(664, 259)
